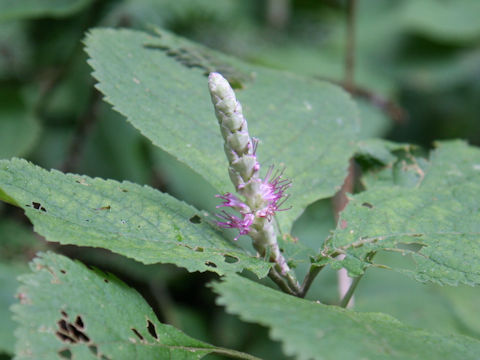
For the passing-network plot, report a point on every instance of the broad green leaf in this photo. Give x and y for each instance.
(8, 287)
(67, 311)
(18, 126)
(159, 84)
(11, 9)
(432, 214)
(134, 221)
(312, 330)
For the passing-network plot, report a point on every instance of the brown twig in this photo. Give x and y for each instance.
(394, 111)
(389, 107)
(340, 201)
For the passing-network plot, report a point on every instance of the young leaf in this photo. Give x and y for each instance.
(312, 330)
(67, 311)
(159, 84)
(134, 221)
(434, 219)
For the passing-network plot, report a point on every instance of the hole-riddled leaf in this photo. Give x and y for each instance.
(434, 217)
(103, 332)
(141, 223)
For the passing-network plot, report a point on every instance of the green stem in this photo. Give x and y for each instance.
(311, 275)
(293, 283)
(281, 282)
(346, 299)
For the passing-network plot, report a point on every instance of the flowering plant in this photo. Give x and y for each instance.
(422, 207)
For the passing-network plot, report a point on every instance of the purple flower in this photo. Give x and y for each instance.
(272, 195)
(234, 222)
(230, 200)
(272, 190)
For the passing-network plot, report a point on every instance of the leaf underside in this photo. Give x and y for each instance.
(159, 83)
(67, 311)
(131, 220)
(432, 214)
(311, 330)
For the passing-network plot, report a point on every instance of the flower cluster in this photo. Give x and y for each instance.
(271, 191)
(259, 198)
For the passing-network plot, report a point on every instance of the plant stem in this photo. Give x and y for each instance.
(346, 299)
(281, 282)
(311, 275)
(340, 201)
(293, 283)
(350, 46)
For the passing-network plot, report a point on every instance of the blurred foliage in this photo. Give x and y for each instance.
(417, 72)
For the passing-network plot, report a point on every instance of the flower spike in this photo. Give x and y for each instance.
(261, 198)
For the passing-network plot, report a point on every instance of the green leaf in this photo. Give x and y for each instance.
(379, 151)
(159, 84)
(312, 330)
(385, 163)
(67, 311)
(8, 287)
(134, 221)
(432, 214)
(19, 128)
(40, 8)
